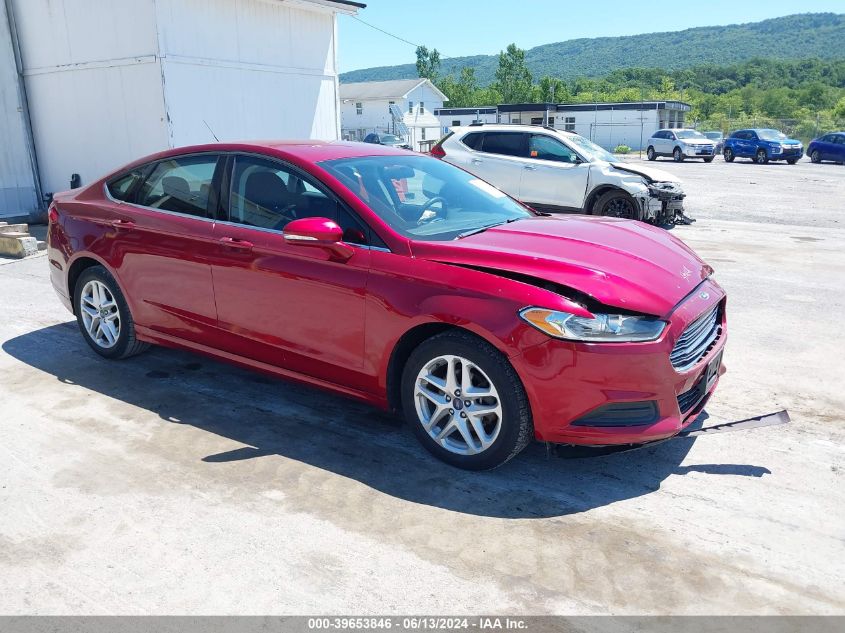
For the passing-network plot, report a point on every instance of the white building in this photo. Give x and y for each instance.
(607, 124)
(455, 117)
(107, 82)
(365, 108)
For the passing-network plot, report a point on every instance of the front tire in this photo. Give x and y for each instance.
(617, 204)
(678, 155)
(815, 156)
(709, 160)
(728, 155)
(465, 403)
(791, 161)
(103, 315)
(762, 158)
(650, 153)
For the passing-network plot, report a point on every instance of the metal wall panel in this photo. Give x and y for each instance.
(93, 120)
(243, 104)
(17, 181)
(251, 69)
(67, 32)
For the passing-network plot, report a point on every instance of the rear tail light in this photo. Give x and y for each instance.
(437, 151)
(53, 214)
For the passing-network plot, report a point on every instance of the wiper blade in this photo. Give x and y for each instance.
(481, 229)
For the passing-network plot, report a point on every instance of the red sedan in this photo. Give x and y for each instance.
(399, 280)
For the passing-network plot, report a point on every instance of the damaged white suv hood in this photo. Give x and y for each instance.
(650, 173)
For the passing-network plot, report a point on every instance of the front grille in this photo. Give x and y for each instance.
(697, 339)
(688, 399)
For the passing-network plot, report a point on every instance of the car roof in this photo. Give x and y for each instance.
(296, 150)
(509, 127)
(307, 150)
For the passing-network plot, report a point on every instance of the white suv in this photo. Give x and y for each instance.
(552, 170)
(680, 144)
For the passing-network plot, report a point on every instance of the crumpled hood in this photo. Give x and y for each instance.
(652, 174)
(618, 262)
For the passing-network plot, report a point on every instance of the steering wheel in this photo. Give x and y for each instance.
(427, 207)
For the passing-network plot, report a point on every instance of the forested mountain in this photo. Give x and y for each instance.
(820, 35)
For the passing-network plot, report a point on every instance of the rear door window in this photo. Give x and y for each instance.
(506, 143)
(181, 184)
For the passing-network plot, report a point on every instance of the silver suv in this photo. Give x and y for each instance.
(552, 170)
(680, 144)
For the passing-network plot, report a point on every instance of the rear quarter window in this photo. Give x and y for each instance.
(123, 187)
(472, 140)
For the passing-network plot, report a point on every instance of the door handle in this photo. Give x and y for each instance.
(122, 224)
(477, 161)
(529, 167)
(234, 242)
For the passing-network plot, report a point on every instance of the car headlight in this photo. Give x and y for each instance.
(601, 328)
(776, 149)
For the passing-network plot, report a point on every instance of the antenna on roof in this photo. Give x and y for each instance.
(210, 130)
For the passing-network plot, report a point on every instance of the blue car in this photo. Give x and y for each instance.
(761, 146)
(828, 147)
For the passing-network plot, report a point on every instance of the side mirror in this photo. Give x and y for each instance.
(318, 232)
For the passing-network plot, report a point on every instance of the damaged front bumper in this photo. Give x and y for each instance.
(665, 203)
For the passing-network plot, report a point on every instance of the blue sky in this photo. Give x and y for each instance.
(471, 27)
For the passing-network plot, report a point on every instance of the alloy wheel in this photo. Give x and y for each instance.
(815, 157)
(619, 208)
(100, 314)
(458, 405)
(762, 158)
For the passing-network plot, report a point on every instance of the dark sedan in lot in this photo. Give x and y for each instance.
(399, 280)
(830, 147)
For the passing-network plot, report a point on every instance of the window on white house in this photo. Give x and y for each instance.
(411, 107)
(456, 123)
(422, 138)
(359, 108)
(390, 103)
(569, 124)
(422, 107)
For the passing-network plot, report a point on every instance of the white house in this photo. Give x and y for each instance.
(365, 108)
(101, 83)
(606, 124)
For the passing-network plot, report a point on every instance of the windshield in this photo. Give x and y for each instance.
(389, 138)
(689, 134)
(424, 198)
(713, 136)
(590, 150)
(770, 135)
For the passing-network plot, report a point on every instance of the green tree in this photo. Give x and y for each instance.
(551, 90)
(513, 79)
(428, 62)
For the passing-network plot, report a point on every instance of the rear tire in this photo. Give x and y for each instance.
(791, 161)
(617, 204)
(650, 153)
(435, 404)
(103, 315)
(728, 155)
(761, 158)
(709, 160)
(678, 155)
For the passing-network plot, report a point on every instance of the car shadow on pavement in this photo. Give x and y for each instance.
(276, 418)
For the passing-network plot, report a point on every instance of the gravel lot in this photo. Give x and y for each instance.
(171, 484)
